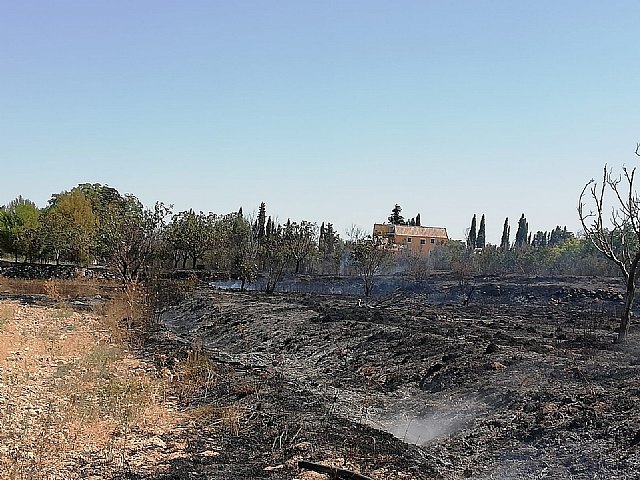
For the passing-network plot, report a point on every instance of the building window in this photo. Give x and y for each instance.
(408, 239)
(433, 240)
(422, 241)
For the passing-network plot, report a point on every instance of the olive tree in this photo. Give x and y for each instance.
(369, 255)
(620, 240)
(191, 235)
(132, 233)
(300, 240)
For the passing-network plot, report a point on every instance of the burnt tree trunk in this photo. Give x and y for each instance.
(625, 320)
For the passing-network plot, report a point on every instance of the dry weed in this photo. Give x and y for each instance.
(228, 417)
(69, 394)
(7, 314)
(55, 288)
(196, 376)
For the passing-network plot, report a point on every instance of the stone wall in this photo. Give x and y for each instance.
(44, 271)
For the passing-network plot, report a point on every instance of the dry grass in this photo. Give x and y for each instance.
(56, 289)
(70, 390)
(7, 314)
(195, 377)
(76, 403)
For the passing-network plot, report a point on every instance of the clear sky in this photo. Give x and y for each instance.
(325, 110)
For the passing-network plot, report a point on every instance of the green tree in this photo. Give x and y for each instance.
(481, 239)
(559, 235)
(539, 239)
(330, 248)
(472, 236)
(418, 220)
(522, 234)
(19, 225)
(105, 200)
(131, 236)
(260, 223)
(237, 242)
(69, 227)
(300, 240)
(504, 241)
(395, 217)
(369, 255)
(191, 235)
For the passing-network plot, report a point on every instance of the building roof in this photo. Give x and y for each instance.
(431, 232)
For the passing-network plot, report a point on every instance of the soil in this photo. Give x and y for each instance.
(498, 379)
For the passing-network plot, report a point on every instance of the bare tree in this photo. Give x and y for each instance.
(621, 242)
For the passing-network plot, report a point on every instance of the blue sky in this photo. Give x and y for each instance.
(327, 111)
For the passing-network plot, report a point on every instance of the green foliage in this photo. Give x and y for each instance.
(559, 235)
(522, 235)
(330, 249)
(395, 217)
(69, 227)
(539, 240)
(104, 202)
(481, 239)
(506, 230)
(19, 225)
(191, 235)
(300, 241)
(472, 235)
(131, 235)
(260, 227)
(240, 245)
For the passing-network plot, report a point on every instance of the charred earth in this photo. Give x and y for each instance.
(510, 378)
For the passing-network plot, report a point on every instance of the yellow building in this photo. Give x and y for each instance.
(418, 240)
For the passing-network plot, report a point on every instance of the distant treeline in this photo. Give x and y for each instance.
(94, 223)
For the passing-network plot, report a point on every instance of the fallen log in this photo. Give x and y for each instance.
(333, 472)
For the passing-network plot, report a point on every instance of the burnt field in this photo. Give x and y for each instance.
(510, 378)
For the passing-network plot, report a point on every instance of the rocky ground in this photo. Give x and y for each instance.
(501, 378)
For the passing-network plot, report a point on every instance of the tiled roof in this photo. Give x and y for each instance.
(431, 232)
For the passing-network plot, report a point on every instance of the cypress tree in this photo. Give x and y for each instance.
(522, 235)
(504, 242)
(481, 240)
(330, 235)
(322, 240)
(472, 238)
(540, 239)
(259, 225)
(270, 227)
(418, 221)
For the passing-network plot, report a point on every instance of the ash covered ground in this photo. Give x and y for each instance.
(506, 378)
